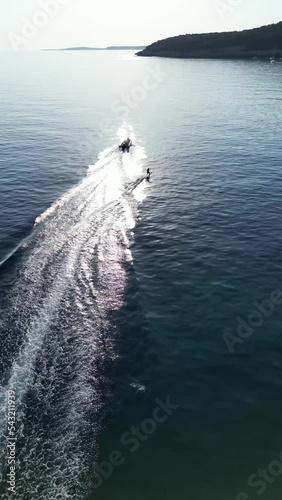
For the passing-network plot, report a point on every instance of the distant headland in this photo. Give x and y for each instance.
(130, 47)
(263, 43)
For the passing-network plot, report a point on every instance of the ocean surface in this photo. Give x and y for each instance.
(140, 321)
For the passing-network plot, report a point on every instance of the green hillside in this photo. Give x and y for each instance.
(261, 42)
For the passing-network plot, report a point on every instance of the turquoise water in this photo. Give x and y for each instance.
(117, 294)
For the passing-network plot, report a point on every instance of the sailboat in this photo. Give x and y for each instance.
(277, 56)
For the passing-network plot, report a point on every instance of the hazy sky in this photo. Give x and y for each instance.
(124, 22)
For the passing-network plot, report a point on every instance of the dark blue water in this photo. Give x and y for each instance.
(117, 294)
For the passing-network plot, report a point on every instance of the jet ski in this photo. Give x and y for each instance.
(126, 145)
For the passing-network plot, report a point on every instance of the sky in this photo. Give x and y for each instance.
(37, 24)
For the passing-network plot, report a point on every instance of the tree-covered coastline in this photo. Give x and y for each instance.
(264, 42)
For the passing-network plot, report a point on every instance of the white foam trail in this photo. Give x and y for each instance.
(72, 276)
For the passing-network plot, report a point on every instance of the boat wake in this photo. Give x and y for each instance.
(58, 334)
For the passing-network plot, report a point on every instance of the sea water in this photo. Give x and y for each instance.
(120, 297)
